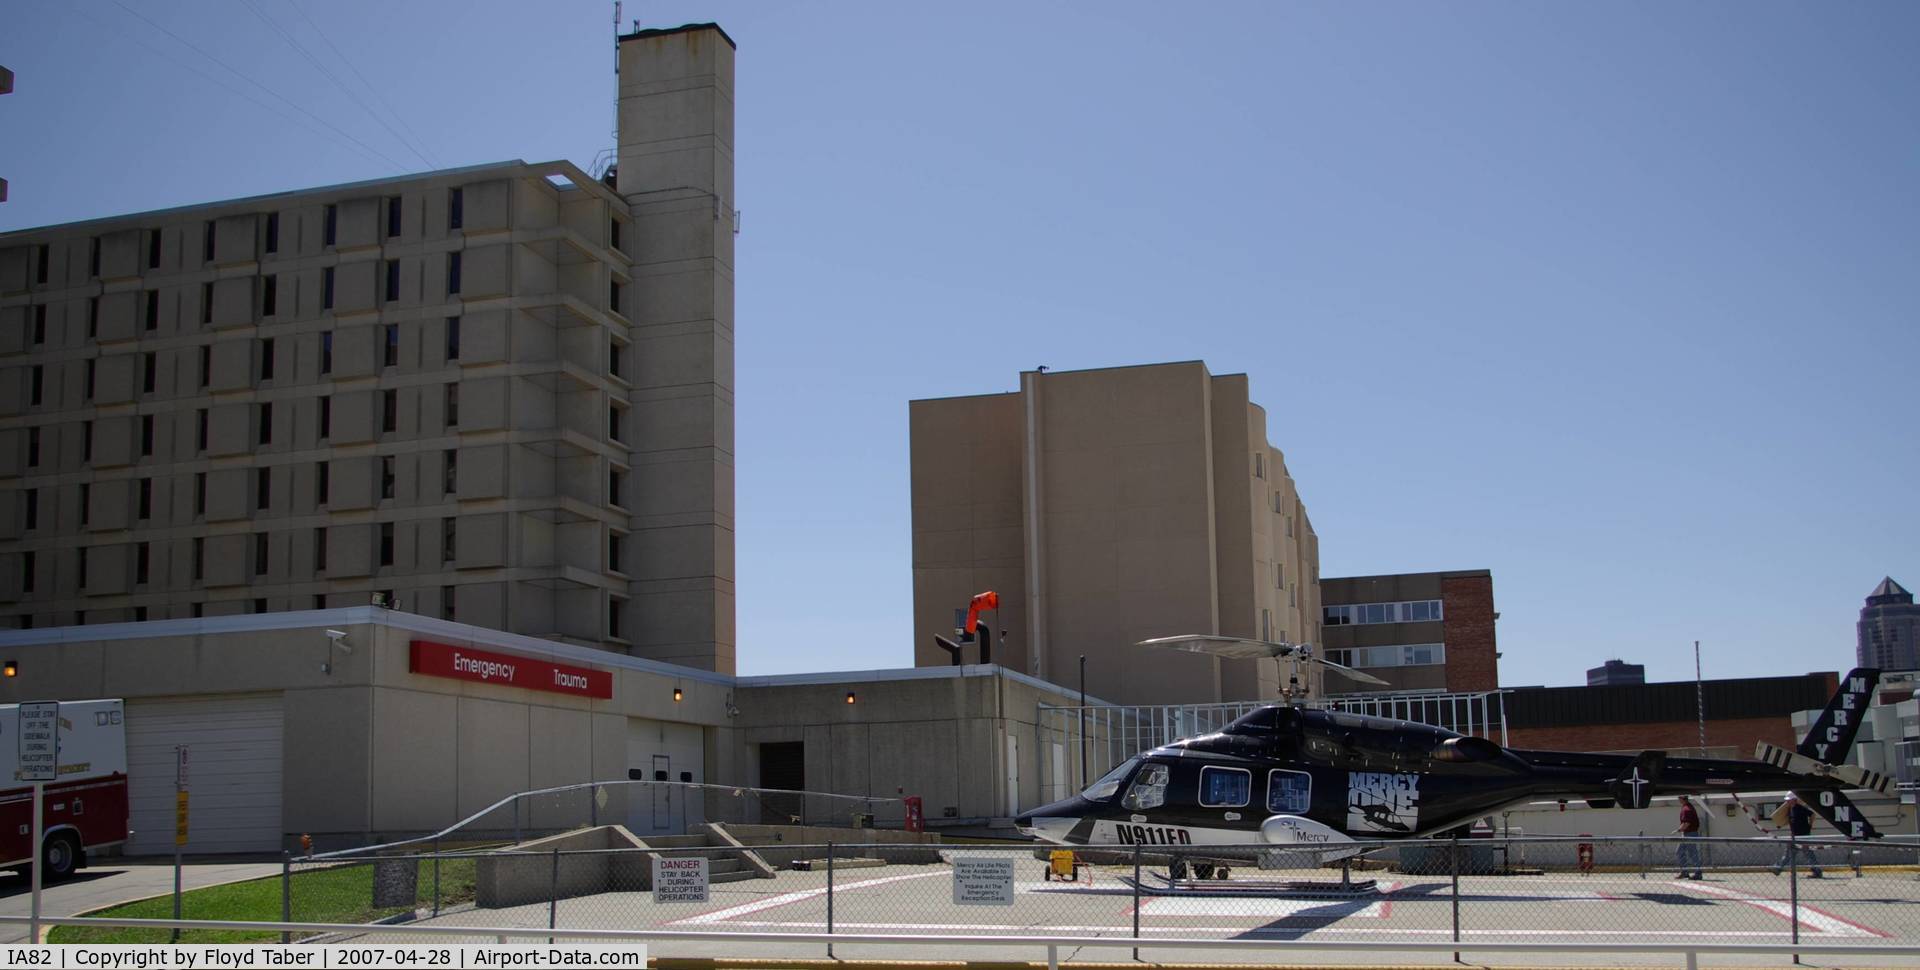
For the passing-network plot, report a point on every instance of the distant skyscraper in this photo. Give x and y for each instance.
(1616, 672)
(1889, 626)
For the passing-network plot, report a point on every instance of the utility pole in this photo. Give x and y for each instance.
(1083, 722)
(6, 87)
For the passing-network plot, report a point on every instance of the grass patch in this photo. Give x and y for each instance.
(331, 894)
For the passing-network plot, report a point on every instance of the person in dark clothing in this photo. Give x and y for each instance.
(1799, 821)
(1689, 848)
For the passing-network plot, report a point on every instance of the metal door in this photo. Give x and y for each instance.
(662, 794)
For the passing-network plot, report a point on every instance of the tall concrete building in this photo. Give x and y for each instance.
(1888, 628)
(1416, 631)
(1106, 507)
(498, 394)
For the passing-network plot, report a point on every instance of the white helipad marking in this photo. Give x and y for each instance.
(1259, 908)
(1238, 930)
(783, 899)
(1813, 919)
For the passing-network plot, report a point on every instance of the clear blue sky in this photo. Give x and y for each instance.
(1621, 301)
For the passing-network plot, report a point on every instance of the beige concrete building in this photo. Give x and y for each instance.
(499, 394)
(376, 735)
(1106, 507)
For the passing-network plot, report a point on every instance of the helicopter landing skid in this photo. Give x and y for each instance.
(1155, 884)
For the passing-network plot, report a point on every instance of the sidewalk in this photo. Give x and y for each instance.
(117, 881)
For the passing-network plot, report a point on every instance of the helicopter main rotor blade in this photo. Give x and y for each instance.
(1351, 674)
(1234, 648)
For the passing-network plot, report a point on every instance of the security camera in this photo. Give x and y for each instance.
(339, 639)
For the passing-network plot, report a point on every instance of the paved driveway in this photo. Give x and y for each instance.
(116, 881)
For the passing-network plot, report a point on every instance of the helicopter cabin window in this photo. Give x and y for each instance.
(1224, 787)
(1109, 783)
(1149, 789)
(1289, 792)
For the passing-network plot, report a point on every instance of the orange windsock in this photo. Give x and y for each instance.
(988, 600)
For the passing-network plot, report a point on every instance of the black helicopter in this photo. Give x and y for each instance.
(1304, 778)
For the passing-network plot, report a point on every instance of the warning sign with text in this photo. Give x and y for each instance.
(983, 880)
(679, 879)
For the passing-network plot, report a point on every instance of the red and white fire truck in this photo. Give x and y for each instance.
(85, 808)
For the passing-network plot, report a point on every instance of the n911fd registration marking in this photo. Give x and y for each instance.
(1151, 834)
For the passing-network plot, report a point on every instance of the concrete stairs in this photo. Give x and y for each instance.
(727, 860)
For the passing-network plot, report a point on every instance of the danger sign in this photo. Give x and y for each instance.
(679, 879)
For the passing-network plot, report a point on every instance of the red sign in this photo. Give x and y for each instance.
(506, 670)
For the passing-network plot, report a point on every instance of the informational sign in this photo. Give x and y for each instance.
(507, 670)
(179, 767)
(983, 880)
(179, 818)
(679, 879)
(39, 741)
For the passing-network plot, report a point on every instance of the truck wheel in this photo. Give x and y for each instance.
(61, 856)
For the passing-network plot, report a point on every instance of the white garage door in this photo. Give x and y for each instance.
(233, 757)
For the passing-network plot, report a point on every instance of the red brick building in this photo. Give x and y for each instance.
(1416, 631)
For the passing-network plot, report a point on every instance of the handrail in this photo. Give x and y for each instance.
(510, 799)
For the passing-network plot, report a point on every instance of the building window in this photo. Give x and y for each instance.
(86, 502)
(200, 437)
(266, 359)
(393, 280)
(149, 372)
(273, 232)
(32, 516)
(39, 324)
(326, 416)
(260, 605)
(144, 510)
(453, 274)
(615, 421)
(93, 317)
(266, 423)
(208, 236)
(1399, 655)
(92, 369)
(153, 310)
(393, 216)
(26, 571)
(199, 493)
(36, 385)
(615, 606)
(199, 560)
(326, 288)
(450, 475)
(139, 614)
(81, 561)
(613, 296)
(616, 487)
(206, 364)
(263, 489)
(447, 539)
(1410, 611)
(390, 411)
(386, 547)
(1259, 465)
(332, 223)
(446, 598)
(1279, 576)
(616, 358)
(456, 208)
(391, 355)
(613, 233)
(146, 436)
(41, 256)
(93, 257)
(259, 554)
(206, 303)
(386, 476)
(453, 404)
(153, 249)
(269, 295)
(320, 551)
(616, 549)
(326, 352)
(86, 441)
(33, 447)
(453, 338)
(321, 482)
(141, 561)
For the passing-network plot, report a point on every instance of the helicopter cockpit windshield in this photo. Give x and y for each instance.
(1109, 783)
